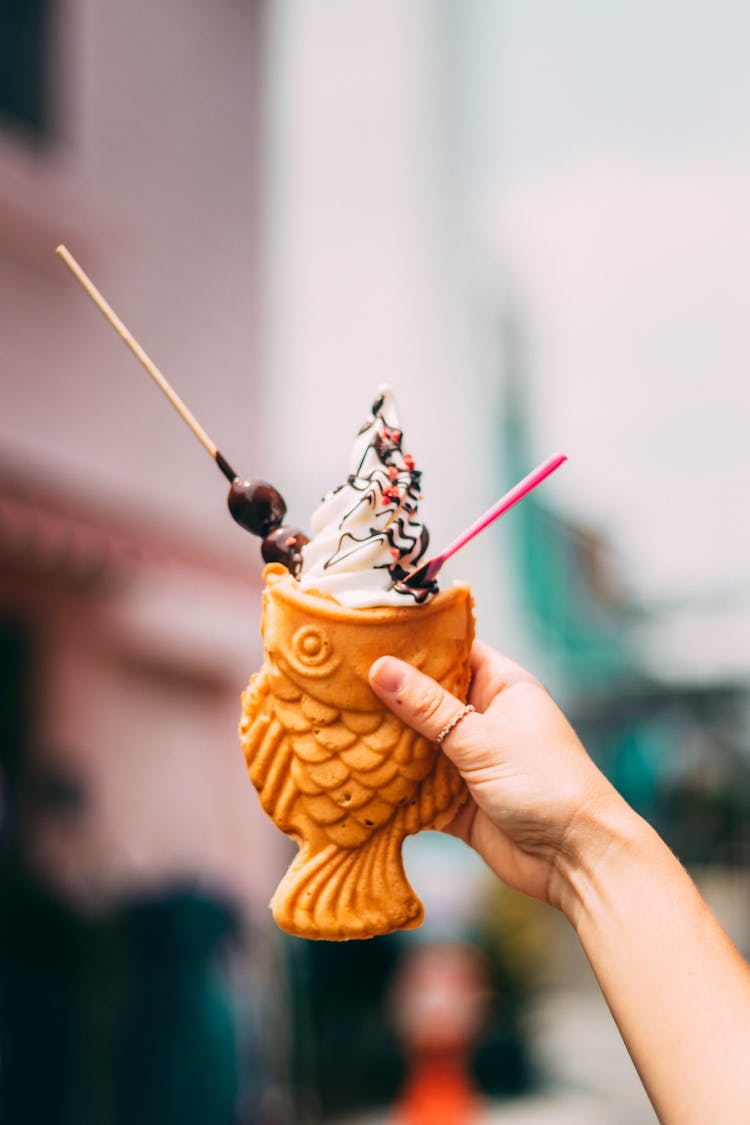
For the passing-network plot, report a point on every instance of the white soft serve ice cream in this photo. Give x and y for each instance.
(366, 534)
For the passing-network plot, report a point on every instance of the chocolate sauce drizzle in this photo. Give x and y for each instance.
(392, 486)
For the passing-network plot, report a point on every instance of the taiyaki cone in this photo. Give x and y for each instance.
(334, 768)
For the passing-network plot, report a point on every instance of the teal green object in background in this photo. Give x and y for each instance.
(566, 592)
(677, 751)
(121, 1020)
(177, 1055)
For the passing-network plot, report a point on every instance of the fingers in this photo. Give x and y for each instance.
(418, 700)
(492, 673)
(505, 670)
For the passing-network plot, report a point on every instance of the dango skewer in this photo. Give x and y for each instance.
(256, 505)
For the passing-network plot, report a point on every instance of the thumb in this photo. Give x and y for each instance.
(418, 700)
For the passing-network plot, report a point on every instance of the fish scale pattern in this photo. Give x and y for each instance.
(340, 775)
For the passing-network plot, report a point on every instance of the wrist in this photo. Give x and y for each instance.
(604, 834)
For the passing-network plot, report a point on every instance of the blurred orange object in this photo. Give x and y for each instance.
(439, 1092)
(440, 1000)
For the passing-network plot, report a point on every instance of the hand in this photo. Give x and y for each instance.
(549, 824)
(533, 789)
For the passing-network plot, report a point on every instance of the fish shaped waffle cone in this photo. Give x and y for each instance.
(334, 768)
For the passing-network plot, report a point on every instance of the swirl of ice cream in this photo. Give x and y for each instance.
(366, 534)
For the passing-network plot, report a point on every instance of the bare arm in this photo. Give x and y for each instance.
(548, 823)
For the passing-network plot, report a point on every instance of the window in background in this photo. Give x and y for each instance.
(14, 689)
(25, 72)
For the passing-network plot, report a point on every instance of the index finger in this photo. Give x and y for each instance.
(418, 700)
(492, 673)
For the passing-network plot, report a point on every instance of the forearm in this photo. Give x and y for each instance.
(677, 988)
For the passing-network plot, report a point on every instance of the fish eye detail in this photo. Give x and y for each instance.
(310, 646)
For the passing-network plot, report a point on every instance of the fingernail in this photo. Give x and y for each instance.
(389, 674)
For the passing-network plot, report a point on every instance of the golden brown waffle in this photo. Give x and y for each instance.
(334, 768)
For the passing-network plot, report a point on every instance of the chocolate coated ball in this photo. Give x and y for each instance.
(284, 545)
(256, 505)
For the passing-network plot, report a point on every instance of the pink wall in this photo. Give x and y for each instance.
(155, 186)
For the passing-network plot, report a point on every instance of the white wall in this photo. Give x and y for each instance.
(365, 267)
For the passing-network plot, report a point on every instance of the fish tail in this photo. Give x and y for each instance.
(335, 894)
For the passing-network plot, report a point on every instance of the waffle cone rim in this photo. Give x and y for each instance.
(283, 587)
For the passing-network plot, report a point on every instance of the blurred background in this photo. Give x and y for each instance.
(532, 221)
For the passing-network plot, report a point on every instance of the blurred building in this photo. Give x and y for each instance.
(134, 848)
(669, 727)
(128, 599)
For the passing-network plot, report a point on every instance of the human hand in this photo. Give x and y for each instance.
(534, 792)
(549, 824)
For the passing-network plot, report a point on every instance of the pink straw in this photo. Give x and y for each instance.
(535, 477)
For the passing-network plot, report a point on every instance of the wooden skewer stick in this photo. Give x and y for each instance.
(127, 337)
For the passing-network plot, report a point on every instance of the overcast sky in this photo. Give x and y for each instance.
(607, 163)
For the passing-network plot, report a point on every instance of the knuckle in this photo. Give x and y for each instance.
(427, 704)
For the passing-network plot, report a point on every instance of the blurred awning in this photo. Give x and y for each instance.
(44, 544)
(161, 601)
